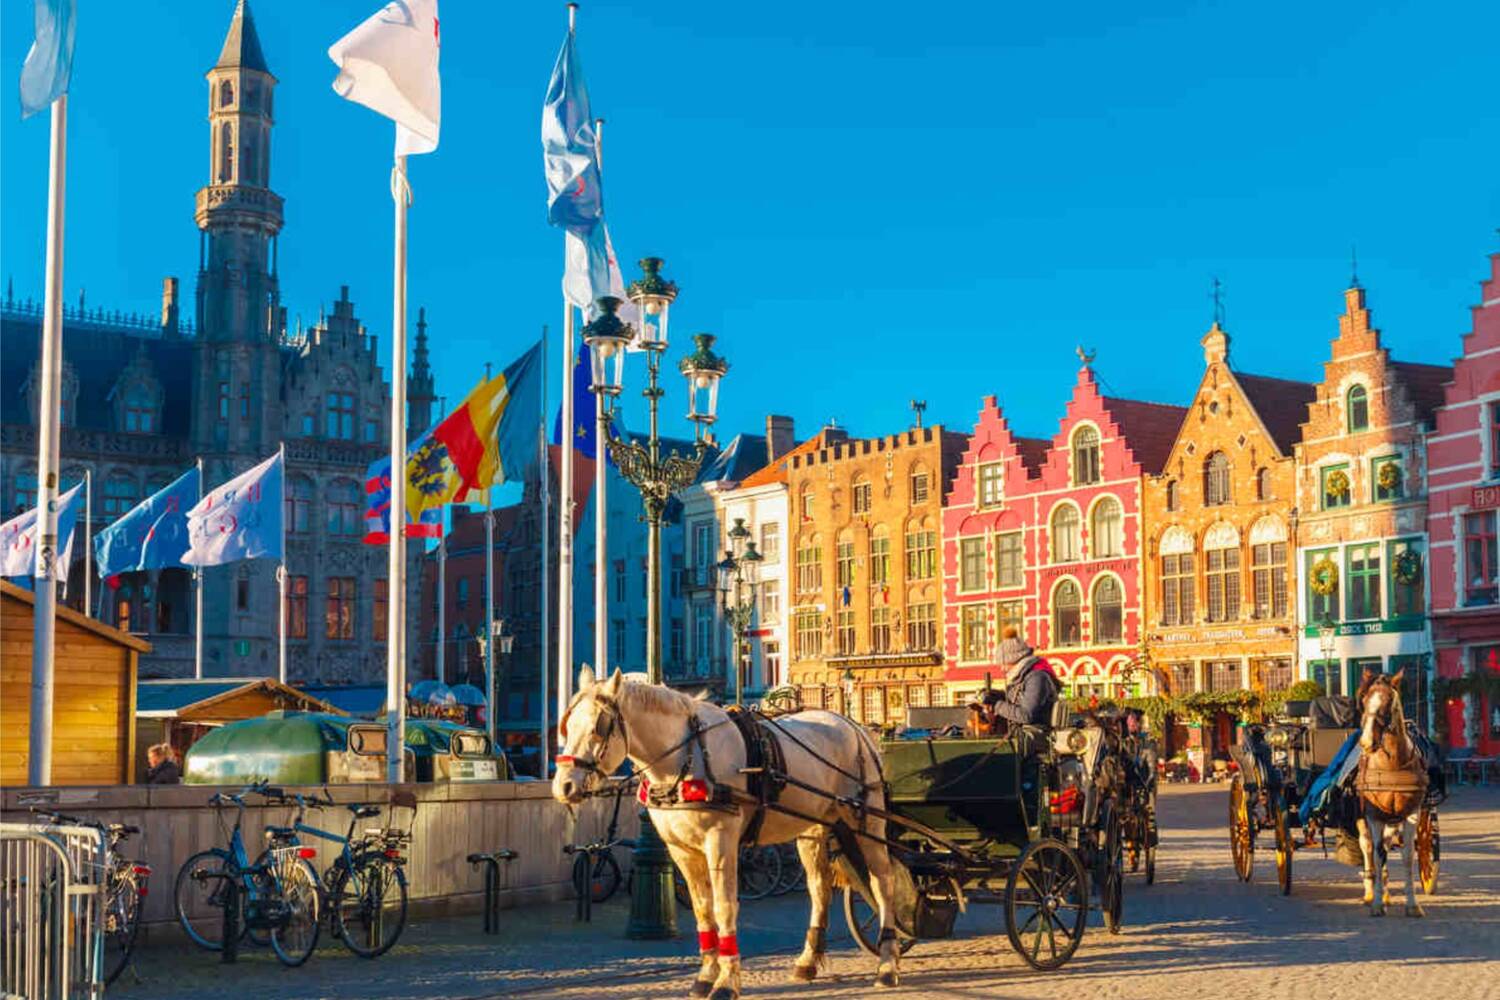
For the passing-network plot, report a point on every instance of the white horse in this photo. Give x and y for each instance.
(1392, 784)
(611, 720)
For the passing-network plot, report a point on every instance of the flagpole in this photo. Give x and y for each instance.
(601, 479)
(544, 591)
(442, 595)
(39, 761)
(281, 573)
(489, 616)
(198, 580)
(395, 643)
(88, 540)
(565, 522)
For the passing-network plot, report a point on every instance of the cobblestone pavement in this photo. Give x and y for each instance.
(1196, 931)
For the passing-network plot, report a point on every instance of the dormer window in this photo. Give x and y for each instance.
(140, 410)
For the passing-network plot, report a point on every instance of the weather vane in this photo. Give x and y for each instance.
(1084, 355)
(1353, 266)
(918, 406)
(1218, 296)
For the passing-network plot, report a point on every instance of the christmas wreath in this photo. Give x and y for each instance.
(1325, 577)
(1409, 567)
(1389, 476)
(1337, 483)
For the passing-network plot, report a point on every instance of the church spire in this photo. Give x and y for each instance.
(420, 385)
(242, 45)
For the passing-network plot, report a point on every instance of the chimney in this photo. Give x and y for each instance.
(169, 312)
(781, 436)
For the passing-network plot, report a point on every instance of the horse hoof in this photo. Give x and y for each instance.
(1415, 911)
(804, 973)
(886, 979)
(724, 993)
(702, 988)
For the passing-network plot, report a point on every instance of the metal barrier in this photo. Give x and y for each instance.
(52, 882)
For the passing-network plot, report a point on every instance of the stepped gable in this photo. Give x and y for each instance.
(1281, 404)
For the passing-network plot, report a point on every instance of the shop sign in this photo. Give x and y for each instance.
(1484, 497)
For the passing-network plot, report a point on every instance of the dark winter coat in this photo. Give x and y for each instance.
(1030, 695)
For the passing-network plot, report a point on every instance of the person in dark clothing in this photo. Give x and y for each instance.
(163, 768)
(1030, 685)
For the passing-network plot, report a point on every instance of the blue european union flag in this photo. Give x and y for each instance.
(153, 534)
(584, 437)
(49, 64)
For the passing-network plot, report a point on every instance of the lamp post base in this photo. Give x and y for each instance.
(653, 902)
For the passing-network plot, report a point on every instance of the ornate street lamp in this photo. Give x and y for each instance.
(607, 336)
(653, 913)
(1327, 642)
(739, 575)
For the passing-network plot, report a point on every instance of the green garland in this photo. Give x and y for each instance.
(1201, 707)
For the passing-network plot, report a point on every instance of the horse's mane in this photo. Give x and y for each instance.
(659, 698)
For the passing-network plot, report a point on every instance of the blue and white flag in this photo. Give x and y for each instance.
(18, 537)
(153, 534)
(569, 147)
(49, 64)
(390, 65)
(241, 519)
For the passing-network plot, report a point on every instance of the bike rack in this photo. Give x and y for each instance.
(491, 861)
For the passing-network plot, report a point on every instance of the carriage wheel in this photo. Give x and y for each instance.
(1046, 904)
(1241, 846)
(864, 924)
(1152, 835)
(1429, 850)
(1284, 848)
(1111, 875)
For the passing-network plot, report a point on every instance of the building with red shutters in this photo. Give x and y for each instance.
(1045, 536)
(1463, 496)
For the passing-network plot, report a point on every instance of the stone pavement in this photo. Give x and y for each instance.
(1196, 931)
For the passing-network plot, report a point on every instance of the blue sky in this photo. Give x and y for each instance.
(867, 202)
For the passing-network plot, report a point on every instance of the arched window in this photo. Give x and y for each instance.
(1107, 532)
(1263, 488)
(1358, 408)
(1066, 545)
(226, 94)
(1085, 456)
(806, 502)
(1109, 617)
(1215, 480)
(299, 499)
(119, 495)
(1067, 618)
(1221, 572)
(249, 165)
(1177, 577)
(342, 504)
(226, 153)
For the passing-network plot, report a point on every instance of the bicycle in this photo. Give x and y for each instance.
(760, 871)
(365, 887)
(595, 869)
(125, 882)
(279, 893)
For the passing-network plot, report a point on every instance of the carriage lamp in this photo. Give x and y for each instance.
(608, 336)
(703, 370)
(654, 295)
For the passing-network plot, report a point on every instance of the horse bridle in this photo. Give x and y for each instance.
(1382, 718)
(609, 719)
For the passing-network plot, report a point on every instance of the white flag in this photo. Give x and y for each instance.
(18, 537)
(239, 520)
(390, 65)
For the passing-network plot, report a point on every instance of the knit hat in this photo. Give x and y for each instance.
(1013, 648)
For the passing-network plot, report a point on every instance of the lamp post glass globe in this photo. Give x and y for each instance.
(607, 335)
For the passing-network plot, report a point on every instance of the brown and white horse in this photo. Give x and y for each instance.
(652, 725)
(1392, 784)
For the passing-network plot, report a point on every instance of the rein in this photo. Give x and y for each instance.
(616, 720)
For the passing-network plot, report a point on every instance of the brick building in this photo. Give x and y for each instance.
(1219, 527)
(1361, 543)
(1045, 536)
(1463, 463)
(866, 581)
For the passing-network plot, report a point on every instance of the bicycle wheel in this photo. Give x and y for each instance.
(605, 879)
(200, 901)
(297, 885)
(369, 905)
(791, 870)
(680, 888)
(760, 870)
(122, 921)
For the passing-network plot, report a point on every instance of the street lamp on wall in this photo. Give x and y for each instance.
(1327, 642)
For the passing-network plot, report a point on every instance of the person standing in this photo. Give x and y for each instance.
(163, 768)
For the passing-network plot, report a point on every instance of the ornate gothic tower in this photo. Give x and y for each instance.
(420, 386)
(239, 216)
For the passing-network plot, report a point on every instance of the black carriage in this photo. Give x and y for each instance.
(1028, 821)
(1289, 782)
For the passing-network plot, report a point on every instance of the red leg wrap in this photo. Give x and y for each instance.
(708, 940)
(729, 946)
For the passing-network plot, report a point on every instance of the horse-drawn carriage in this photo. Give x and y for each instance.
(1295, 779)
(1030, 821)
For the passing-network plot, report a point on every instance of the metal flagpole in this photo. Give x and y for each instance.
(565, 503)
(198, 579)
(39, 761)
(281, 574)
(88, 540)
(489, 616)
(395, 637)
(601, 508)
(544, 591)
(442, 595)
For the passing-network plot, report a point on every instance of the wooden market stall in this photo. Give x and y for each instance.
(94, 695)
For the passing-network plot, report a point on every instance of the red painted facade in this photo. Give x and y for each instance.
(1463, 462)
(1050, 531)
